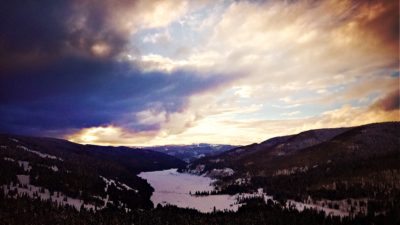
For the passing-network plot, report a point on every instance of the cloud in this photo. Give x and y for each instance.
(283, 48)
(290, 114)
(60, 76)
(38, 33)
(244, 91)
(76, 93)
(389, 102)
(159, 38)
(156, 72)
(110, 135)
(232, 131)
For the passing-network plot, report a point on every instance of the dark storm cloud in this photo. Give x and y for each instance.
(386, 24)
(51, 82)
(30, 32)
(36, 33)
(389, 102)
(76, 93)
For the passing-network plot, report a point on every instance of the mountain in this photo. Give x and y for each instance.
(353, 170)
(307, 149)
(284, 145)
(189, 153)
(342, 167)
(93, 177)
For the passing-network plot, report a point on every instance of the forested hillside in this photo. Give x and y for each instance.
(93, 177)
(356, 170)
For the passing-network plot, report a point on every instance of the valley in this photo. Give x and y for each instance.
(199, 112)
(338, 176)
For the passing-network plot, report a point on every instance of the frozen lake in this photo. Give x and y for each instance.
(171, 187)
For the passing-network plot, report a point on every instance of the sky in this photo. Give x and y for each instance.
(152, 72)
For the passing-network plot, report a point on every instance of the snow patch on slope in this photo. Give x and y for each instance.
(42, 155)
(25, 188)
(25, 165)
(117, 184)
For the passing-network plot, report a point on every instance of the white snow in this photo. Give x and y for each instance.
(42, 155)
(127, 187)
(300, 206)
(198, 170)
(290, 171)
(225, 172)
(54, 168)
(174, 188)
(242, 181)
(117, 184)
(171, 187)
(105, 201)
(23, 179)
(25, 165)
(351, 206)
(9, 159)
(108, 182)
(14, 140)
(42, 193)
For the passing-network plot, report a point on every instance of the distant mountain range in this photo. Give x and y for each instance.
(189, 153)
